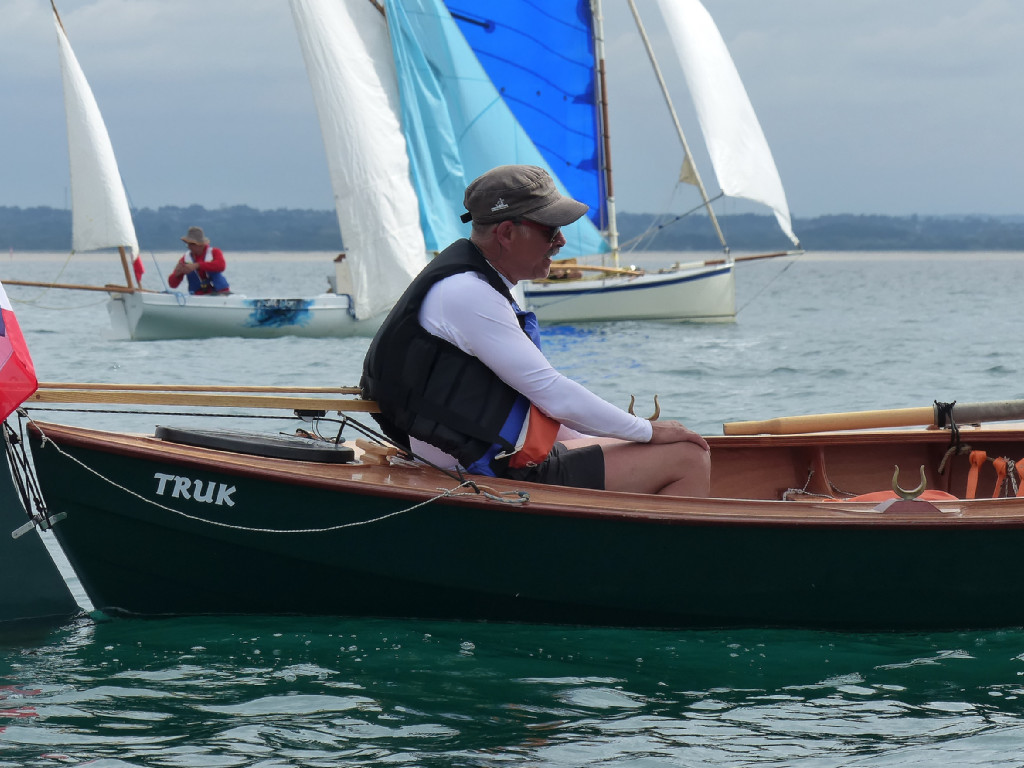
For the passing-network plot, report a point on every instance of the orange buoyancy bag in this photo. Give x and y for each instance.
(540, 438)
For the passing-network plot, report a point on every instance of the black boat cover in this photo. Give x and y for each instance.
(256, 444)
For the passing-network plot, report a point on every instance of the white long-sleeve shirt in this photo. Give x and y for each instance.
(466, 311)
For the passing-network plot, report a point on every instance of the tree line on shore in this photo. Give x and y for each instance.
(241, 228)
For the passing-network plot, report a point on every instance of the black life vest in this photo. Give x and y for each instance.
(430, 389)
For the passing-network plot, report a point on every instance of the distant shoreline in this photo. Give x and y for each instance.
(644, 259)
(241, 228)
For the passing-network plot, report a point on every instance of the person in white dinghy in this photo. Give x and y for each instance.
(203, 266)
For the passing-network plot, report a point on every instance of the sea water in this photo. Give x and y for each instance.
(817, 334)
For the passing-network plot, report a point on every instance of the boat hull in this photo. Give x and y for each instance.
(34, 590)
(388, 541)
(153, 316)
(699, 294)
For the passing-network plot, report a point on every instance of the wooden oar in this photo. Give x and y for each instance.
(197, 388)
(77, 287)
(963, 413)
(197, 396)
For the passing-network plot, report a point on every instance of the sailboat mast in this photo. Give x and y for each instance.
(606, 155)
(688, 156)
(127, 268)
(54, 6)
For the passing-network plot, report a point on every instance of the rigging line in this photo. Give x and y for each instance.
(442, 493)
(654, 229)
(54, 308)
(347, 420)
(159, 272)
(689, 167)
(133, 209)
(44, 291)
(514, 496)
(24, 478)
(777, 275)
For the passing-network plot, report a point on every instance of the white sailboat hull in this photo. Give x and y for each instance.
(698, 294)
(154, 316)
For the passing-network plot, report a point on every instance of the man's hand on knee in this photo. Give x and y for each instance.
(674, 432)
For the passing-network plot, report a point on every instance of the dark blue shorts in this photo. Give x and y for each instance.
(576, 468)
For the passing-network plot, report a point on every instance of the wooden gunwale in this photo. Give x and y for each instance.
(418, 484)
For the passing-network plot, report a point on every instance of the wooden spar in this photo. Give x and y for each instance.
(54, 6)
(688, 156)
(124, 264)
(201, 399)
(197, 388)
(595, 268)
(753, 257)
(718, 262)
(611, 271)
(602, 84)
(623, 272)
(965, 413)
(74, 286)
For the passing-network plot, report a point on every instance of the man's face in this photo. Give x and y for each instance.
(534, 249)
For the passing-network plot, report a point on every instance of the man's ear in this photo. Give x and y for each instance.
(505, 232)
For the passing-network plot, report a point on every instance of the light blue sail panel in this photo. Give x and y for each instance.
(456, 124)
(540, 56)
(435, 160)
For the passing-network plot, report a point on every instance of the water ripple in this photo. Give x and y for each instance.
(835, 333)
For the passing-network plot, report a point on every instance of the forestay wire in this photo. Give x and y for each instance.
(762, 289)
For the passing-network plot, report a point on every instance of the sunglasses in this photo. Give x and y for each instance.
(550, 233)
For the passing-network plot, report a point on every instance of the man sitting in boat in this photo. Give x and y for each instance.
(205, 270)
(460, 379)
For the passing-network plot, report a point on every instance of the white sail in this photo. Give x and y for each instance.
(348, 59)
(100, 217)
(739, 151)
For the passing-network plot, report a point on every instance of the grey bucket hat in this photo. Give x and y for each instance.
(195, 235)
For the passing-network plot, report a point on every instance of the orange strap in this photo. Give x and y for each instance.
(928, 495)
(977, 459)
(1020, 478)
(1000, 465)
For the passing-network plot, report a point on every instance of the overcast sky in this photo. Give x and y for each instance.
(870, 106)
